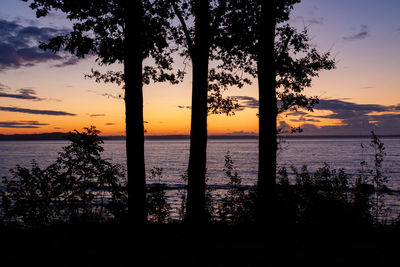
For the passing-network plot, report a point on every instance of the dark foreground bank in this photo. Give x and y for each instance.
(176, 245)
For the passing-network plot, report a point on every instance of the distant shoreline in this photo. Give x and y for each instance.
(64, 136)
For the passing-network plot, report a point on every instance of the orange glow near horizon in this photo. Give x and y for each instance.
(316, 118)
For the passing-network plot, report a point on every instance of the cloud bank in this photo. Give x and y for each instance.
(247, 102)
(25, 93)
(19, 46)
(21, 124)
(355, 118)
(37, 111)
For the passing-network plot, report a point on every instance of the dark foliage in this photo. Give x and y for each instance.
(326, 198)
(237, 205)
(296, 61)
(284, 63)
(219, 79)
(99, 30)
(209, 205)
(80, 186)
(199, 25)
(157, 206)
(120, 32)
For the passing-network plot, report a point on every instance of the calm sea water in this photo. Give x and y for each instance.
(172, 156)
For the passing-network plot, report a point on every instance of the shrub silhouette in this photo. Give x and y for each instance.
(327, 197)
(31, 196)
(158, 208)
(80, 186)
(237, 205)
(323, 198)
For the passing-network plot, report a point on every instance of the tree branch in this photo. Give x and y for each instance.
(285, 46)
(178, 13)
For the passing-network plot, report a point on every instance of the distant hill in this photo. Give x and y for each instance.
(34, 137)
(64, 136)
(47, 136)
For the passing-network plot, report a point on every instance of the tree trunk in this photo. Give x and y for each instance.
(133, 61)
(266, 195)
(195, 210)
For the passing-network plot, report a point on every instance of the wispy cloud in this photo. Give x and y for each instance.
(184, 107)
(70, 62)
(97, 115)
(36, 111)
(21, 124)
(306, 21)
(247, 102)
(106, 94)
(362, 34)
(25, 93)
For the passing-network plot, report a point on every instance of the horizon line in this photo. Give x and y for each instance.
(63, 136)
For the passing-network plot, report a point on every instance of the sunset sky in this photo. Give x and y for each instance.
(45, 92)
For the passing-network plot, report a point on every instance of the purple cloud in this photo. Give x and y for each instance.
(19, 46)
(21, 124)
(36, 111)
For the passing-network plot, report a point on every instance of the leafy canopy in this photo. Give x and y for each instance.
(98, 30)
(296, 60)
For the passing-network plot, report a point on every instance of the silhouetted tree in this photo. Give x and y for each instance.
(198, 31)
(198, 48)
(294, 64)
(124, 32)
(266, 69)
(284, 63)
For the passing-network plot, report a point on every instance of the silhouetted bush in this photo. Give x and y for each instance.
(182, 196)
(80, 186)
(380, 210)
(324, 198)
(32, 196)
(158, 208)
(237, 205)
(327, 197)
(331, 197)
